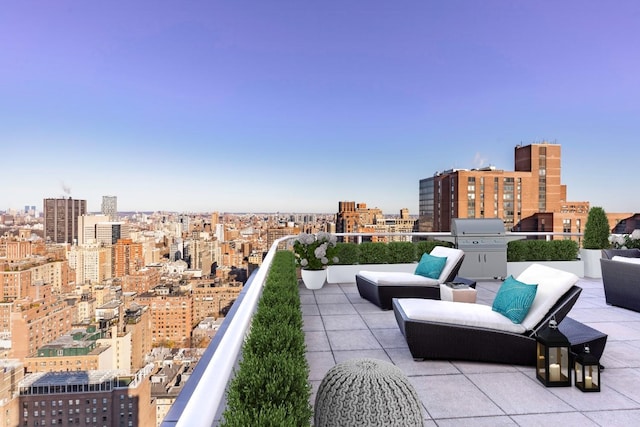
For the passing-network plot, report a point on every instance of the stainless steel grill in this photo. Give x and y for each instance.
(484, 243)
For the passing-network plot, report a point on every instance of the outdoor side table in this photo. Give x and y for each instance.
(457, 292)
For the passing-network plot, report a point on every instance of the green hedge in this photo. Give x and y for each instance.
(406, 252)
(373, 253)
(271, 386)
(384, 253)
(426, 246)
(401, 252)
(542, 250)
(347, 253)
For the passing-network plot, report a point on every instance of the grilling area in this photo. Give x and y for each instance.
(484, 242)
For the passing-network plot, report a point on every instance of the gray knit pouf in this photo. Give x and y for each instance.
(366, 392)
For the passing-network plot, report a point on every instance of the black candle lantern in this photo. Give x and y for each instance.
(553, 365)
(587, 371)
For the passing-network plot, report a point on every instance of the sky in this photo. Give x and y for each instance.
(291, 106)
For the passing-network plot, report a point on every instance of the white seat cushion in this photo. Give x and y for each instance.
(552, 284)
(396, 278)
(388, 278)
(458, 313)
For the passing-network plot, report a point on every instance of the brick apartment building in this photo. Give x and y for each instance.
(355, 217)
(171, 312)
(128, 257)
(86, 398)
(141, 281)
(210, 298)
(529, 198)
(37, 319)
(137, 323)
(11, 373)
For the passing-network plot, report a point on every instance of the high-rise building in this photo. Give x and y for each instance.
(100, 229)
(110, 207)
(87, 228)
(61, 219)
(530, 198)
(127, 257)
(92, 263)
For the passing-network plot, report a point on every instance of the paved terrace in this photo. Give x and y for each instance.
(340, 325)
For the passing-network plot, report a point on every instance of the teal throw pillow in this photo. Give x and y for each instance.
(431, 266)
(514, 299)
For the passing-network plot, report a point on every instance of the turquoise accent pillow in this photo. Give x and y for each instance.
(431, 266)
(514, 299)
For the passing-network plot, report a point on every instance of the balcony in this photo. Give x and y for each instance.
(340, 325)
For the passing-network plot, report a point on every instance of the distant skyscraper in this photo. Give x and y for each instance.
(61, 219)
(110, 207)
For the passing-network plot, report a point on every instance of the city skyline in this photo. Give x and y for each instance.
(282, 106)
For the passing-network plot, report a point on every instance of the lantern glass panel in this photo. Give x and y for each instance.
(587, 372)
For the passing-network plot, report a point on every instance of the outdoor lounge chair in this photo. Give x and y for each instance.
(380, 287)
(460, 331)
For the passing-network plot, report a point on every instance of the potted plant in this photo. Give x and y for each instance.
(626, 241)
(314, 253)
(596, 238)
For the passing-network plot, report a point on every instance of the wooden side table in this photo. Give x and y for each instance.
(457, 293)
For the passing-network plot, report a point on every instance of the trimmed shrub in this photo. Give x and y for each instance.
(347, 253)
(516, 250)
(271, 386)
(401, 252)
(596, 230)
(374, 253)
(542, 250)
(426, 246)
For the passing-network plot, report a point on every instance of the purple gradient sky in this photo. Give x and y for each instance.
(293, 106)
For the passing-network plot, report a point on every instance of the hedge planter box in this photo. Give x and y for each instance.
(347, 273)
(576, 267)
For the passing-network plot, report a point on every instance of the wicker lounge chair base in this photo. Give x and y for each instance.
(443, 341)
(458, 331)
(381, 294)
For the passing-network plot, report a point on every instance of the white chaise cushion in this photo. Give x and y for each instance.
(396, 278)
(457, 313)
(388, 278)
(630, 260)
(552, 284)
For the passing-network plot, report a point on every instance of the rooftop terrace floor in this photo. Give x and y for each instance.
(340, 325)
